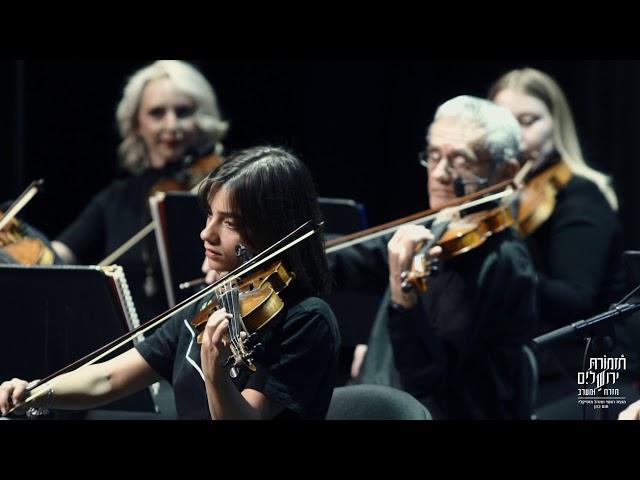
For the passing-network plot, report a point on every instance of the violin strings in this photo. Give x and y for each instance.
(237, 315)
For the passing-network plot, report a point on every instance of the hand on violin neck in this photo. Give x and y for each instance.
(402, 248)
(215, 345)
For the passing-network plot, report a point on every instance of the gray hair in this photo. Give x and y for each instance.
(502, 132)
(187, 79)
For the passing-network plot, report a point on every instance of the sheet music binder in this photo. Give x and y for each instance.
(179, 221)
(55, 315)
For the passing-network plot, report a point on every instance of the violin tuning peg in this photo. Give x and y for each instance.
(404, 275)
(228, 361)
(406, 287)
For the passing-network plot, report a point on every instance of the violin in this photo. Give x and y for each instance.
(537, 198)
(188, 172)
(23, 249)
(253, 301)
(455, 237)
(15, 241)
(500, 190)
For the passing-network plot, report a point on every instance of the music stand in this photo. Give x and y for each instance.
(179, 221)
(55, 315)
(355, 311)
(342, 215)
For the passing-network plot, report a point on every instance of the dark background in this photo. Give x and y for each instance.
(357, 123)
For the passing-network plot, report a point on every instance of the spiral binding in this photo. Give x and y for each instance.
(122, 286)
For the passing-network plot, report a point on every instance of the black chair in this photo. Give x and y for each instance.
(355, 311)
(527, 388)
(342, 215)
(375, 402)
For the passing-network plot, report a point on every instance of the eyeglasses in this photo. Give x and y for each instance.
(458, 164)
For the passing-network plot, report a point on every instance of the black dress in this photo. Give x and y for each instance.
(577, 255)
(112, 217)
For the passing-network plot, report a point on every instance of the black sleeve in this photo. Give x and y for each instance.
(304, 372)
(86, 235)
(465, 319)
(159, 348)
(419, 355)
(581, 235)
(363, 267)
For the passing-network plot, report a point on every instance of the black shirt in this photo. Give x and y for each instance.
(112, 217)
(296, 369)
(577, 254)
(461, 344)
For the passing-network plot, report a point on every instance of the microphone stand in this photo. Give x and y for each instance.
(598, 330)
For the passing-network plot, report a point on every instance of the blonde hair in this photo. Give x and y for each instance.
(132, 149)
(541, 86)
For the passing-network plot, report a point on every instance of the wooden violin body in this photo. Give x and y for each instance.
(17, 244)
(537, 199)
(186, 178)
(24, 249)
(259, 304)
(459, 237)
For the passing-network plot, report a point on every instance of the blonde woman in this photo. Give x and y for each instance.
(577, 250)
(168, 109)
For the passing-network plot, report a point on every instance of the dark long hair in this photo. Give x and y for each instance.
(273, 193)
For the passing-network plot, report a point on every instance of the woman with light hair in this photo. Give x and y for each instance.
(168, 112)
(577, 250)
(198, 122)
(547, 125)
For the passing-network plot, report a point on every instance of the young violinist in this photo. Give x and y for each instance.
(253, 199)
(456, 347)
(168, 109)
